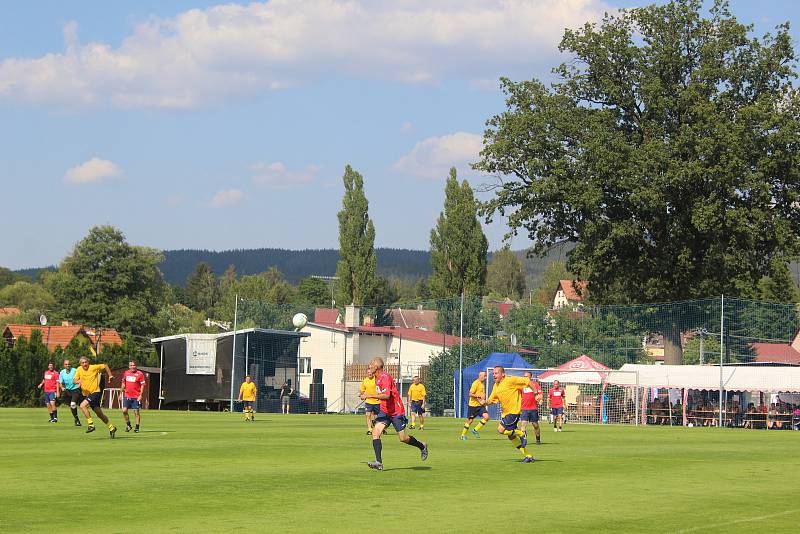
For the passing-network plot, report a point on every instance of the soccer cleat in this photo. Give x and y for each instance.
(136, 429)
(90, 429)
(127, 427)
(112, 431)
(77, 422)
(528, 460)
(476, 433)
(538, 441)
(421, 428)
(424, 453)
(463, 438)
(55, 420)
(369, 432)
(375, 465)
(412, 427)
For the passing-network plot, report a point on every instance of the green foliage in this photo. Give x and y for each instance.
(314, 291)
(106, 281)
(458, 245)
(548, 282)
(505, 275)
(667, 150)
(180, 319)
(268, 287)
(529, 324)
(21, 369)
(357, 262)
(27, 296)
(202, 291)
(8, 277)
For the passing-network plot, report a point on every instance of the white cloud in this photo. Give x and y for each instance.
(433, 157)
(226, 198)
(204, 55)
(93, 170)
(277, 176)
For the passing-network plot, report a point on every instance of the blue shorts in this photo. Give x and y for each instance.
(374, 408)
(399, 422)
(510, 421)
(557, 411)
(416, 407)
(131, 404)
(476, 411)
(532, 416)
(49, 396)
(93, 399)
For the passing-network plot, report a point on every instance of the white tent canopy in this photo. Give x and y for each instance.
(734, 377)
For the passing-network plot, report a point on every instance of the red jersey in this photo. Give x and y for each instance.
(133, 382)
(529, 396)
(50, 381)
(556, 397)
(393, 406)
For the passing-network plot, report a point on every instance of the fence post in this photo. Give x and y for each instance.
(721, 354)
(461, 355)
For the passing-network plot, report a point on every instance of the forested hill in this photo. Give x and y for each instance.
(294, 264)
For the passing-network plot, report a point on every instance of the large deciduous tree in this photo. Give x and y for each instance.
(505, 275)
(202, 289)
(668, 150)
(357, 261)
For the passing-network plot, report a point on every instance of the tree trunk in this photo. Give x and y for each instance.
(673, 351)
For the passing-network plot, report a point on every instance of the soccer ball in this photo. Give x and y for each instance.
(690, 425)
(299, 320)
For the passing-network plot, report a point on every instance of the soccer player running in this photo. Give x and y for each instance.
(507, 391)
(417, 394)
(72, 392)
(247, 394)
(391, 412)
(531, 397)
(476, 407)
(50, 384)
(133, 383)
(371, 405)
(88, 378)
(556, 399)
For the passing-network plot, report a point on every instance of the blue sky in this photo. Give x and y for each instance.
(208, 125)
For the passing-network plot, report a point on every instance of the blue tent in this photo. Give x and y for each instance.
(508, 360)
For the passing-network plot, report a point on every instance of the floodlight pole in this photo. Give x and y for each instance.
(721, 353)
(461, 355)
(233, 350)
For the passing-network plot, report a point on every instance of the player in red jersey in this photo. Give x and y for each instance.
(50, 383)
(133, 384)
(531, 397)
(556, 399)
(391, 412)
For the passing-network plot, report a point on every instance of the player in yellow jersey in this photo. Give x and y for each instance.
(477, 407)
(507, 391)
(88, 377)
(371, 405)
(416, 395)
(247, 394)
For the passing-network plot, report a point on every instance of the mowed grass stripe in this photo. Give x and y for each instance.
(212, 472)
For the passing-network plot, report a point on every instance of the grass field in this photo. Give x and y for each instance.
(211, 472)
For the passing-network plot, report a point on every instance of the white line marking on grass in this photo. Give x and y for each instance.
(737, 521)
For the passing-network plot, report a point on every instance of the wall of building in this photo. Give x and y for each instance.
(329, 350)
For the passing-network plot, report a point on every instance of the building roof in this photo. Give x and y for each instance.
(775, 353)
(52, 336)
(7, 312)
(108, 336)
(411, 334)
(503, 307)
(326, 315)
(411, 318)
(569, 290)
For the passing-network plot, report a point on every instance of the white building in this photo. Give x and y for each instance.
(342, 349)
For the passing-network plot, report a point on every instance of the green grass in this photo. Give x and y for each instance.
(211, 472)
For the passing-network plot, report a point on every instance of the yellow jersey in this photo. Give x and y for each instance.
(248, 391)
(477, 388)
(508, 392)
(416, 392)
(90, 378)
(368, 387)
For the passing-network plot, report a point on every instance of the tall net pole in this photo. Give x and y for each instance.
(461, 355)
(721, 354)
(233, 350)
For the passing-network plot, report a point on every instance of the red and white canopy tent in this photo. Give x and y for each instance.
(581, 370)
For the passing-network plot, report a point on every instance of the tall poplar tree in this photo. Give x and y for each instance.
(357, 261)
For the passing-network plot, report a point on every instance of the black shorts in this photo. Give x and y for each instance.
(474, 412)
(416, 407)
(399, 422)
(510, 421)
(374, 408)
(72, 395)
(95, 399)
(532, 416)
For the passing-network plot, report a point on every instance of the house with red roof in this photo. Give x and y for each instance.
(569, 293)
(62, 335)
(778, 353)
(9, 311)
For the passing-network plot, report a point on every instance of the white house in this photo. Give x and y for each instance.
(342, 349)
(566, 295)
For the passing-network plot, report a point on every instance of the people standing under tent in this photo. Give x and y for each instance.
(50, 384)
(371, 405)
(507, 391)
(247, 394)
(417, 396)
(531, 397)
(556, 399)
(88, 378)
(72, 392)
(391, 412)
(476, 407)
(133, 385)
(286, 396)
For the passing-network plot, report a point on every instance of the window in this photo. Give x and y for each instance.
(304, 366)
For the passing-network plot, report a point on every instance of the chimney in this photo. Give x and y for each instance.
(66, 323)
(352, 316)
